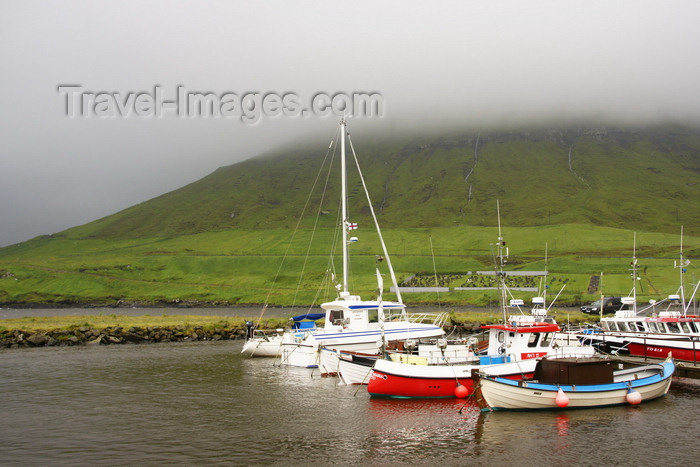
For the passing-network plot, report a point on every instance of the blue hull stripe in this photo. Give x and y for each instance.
(374, 332)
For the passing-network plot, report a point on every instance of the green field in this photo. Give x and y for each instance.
(252, 267)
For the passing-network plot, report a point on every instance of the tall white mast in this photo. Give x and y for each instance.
(343, 204)
(634, 274)
(502, 254)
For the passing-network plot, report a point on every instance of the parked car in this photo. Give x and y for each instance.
(611, 305)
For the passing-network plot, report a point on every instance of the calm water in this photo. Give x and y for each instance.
(186, 403)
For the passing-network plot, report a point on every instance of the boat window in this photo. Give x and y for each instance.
(501, 336)
(606, 326)
(634, 326)
(336, 316)
(652, 327)
(693, 327)
(623, 326)
(373, 316)
(673, 327)
(532, 341)
(546, 338)
(684, 327)
(661, 327)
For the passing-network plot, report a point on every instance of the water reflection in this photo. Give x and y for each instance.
(202, 402)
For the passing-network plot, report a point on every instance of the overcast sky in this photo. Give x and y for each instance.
(479, 63)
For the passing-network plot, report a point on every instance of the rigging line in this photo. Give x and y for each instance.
(376, 224)
(359, 386)
(329, 282)
(437, 285)
(316, 220)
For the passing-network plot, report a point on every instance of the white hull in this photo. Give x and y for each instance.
(259, 347)
(308, 353)
(357, 369)
(353, 372)
(301, 355)
(464, 370)
(503, 394)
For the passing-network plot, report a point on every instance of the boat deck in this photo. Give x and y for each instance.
(690, 370)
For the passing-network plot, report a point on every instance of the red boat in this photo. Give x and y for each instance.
(513, 349)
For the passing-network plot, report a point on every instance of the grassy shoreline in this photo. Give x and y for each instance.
(103, 321)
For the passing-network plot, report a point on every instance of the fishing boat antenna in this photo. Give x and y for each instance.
(501, 259)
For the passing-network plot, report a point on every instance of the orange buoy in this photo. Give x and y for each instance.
(461, 391)
(562, 400)
(633, 397)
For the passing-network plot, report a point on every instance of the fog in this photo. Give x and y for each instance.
(90, 121)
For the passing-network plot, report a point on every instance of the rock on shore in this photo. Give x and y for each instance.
(136, 335)
(114, 335)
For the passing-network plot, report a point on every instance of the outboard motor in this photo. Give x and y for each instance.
(249, 329)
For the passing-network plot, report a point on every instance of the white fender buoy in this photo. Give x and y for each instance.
(633, 397)
(562, 400)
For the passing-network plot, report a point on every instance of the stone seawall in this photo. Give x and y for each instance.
(115, 335)
(17, 338)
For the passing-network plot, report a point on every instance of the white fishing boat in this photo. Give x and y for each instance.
(571, 383)
(650, 332)
(508, 348)
(350, 322)
(355, 367)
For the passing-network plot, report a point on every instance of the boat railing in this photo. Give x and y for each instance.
(260, 334)
(438, 319)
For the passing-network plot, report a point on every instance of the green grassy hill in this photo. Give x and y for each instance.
(222, 239)
(644, 180)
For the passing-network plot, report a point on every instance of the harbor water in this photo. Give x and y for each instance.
(202, 402)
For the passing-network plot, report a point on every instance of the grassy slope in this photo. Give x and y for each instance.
(623, 179)
(222, 238)
(241, 266)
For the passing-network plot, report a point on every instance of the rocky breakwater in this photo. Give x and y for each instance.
(115, 335)
(84, 335)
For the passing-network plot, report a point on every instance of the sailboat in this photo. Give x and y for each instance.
(646, 333)
(351, 323)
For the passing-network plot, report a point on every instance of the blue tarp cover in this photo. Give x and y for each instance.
(311, 316)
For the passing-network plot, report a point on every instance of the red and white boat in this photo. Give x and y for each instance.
(648, 333)
(513, 349)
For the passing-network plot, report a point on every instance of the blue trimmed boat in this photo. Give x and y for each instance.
(574, 383)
